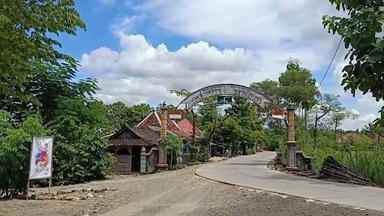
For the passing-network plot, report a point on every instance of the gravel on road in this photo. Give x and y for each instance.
(178, 192)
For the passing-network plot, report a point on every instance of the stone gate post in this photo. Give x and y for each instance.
(291, 142)
(162, 165)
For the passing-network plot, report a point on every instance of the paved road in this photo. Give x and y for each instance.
(252, 171)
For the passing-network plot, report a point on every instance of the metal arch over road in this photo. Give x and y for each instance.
(225, 90)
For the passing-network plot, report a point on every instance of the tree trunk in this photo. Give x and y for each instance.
(305, 127)
(317, 119)
(334, 141)
(315, 134)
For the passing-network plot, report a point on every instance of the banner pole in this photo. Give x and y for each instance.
(29, 171)
(49, 185)
(27, 192)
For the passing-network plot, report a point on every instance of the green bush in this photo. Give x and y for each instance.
(173, 145)
(367, 163)
(82, 158)
(15, 144)
(273, 139)
(200, 154)
(79, 153)
(249, 151)
(282, 152)
(203, 154)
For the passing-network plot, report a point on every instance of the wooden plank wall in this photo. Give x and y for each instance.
(123, 164)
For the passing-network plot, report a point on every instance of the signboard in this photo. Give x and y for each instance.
(221, 100)
(41, 158)
(175, 116)
(233, 90)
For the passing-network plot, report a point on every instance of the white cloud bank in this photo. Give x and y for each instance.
(276, 29)
(141, 72)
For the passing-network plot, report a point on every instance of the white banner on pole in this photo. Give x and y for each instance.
(41, 158)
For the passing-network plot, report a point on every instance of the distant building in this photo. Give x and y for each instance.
(130, 143)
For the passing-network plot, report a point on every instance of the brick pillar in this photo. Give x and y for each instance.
(162, 165)
(163, 123)
(291, 143)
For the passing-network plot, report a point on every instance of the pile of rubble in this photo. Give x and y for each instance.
(69, 195)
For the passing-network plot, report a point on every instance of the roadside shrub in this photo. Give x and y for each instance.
(79, 152)
(249, 151)
(173, 145)
(81, 158)
(203, 154)
(192, 154)
(200, 154)
(369, 164)
(282, 152)
(15, 144)
(273, 139)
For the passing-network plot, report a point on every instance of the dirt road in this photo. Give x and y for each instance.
(175, 193)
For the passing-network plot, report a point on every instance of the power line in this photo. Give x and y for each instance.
(330, 63)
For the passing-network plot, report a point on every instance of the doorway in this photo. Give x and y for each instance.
(136, 152)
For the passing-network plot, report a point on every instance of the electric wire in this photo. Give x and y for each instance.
(331, 62)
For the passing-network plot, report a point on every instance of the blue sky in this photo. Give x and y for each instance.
(139, 50)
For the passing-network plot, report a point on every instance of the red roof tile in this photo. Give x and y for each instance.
(153, 120)
(187, 126)
(279, 112)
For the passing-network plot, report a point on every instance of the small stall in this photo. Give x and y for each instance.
(129, 144)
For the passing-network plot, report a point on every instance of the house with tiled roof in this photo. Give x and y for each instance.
(131, 144)
(182, 128)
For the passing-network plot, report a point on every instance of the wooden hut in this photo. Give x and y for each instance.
(128, 144)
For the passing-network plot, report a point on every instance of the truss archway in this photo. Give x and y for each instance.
(234, 90)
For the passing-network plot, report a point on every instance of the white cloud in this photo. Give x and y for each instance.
(126, 24)
(359, 122)
(107, 2)
(275, 29)
(141, 72)
(338, 72)
(366, 107)
(368, 104)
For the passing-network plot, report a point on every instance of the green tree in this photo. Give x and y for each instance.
(15, 144)
(137, 113)
(51, 84)
(378, 131)
(270, 89)
(362, 32)
(240, 128)
(26, 40)
(336, 118)
(299, 87)
(120, 115)
(79, 152)
(36, 79)
(173, 145)
(327, 104)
